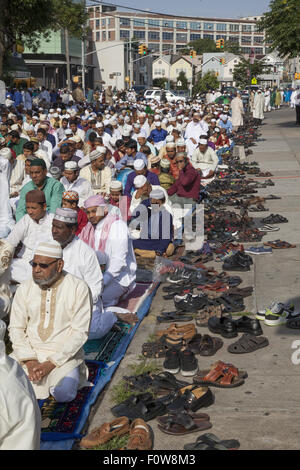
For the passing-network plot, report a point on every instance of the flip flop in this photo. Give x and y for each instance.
(182, 424)
(170, 317)
(213, 442)
(248, 343)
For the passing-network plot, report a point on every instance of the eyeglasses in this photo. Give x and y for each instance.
(42, 265)
(180, 161)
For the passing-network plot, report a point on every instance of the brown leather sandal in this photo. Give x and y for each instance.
(221, 375)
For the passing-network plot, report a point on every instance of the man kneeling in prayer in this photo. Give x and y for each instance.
(49, 325)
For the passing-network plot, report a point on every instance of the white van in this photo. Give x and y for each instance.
(155, 94)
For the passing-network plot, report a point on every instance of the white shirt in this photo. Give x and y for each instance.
(81, 186)
(119, 255)
(84, 265)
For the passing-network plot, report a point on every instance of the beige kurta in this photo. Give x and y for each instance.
(237, 112)
(100, 182)
(51, 325)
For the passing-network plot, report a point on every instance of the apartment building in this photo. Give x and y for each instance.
(167, 34)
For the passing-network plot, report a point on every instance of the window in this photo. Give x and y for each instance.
(195, 37)
(167, 47)
(104, 36)
(153, 35)
(153, 47)
(178, 71)
(124, 34)
(168, 36)
(258, 39)
(109, 21)
(168, 24)
(234, 27)
(103, 23)
(221, 27)
(234, 39)
(221, 37)
(97, 24)
(154, 23)
(258, 50)
(196, 26)
(180, 37)
(246, 50)
(138, 22)
(208, 36)
(160, 72)
(124, 22)
(139, 34)
(181, 25)
(109, 35)
(97, 36)
(208, 26)
(246, 28)
(246, 39)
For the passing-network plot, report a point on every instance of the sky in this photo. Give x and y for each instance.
(205, 8)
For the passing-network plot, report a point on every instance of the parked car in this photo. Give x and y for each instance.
(156, 94)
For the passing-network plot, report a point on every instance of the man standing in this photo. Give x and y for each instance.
(52, 188)
(110, 238)
(78, 95)
(297, 105)
(259, 104)
(192, 133)
(237, 109)
(109, 96)
(49, 325)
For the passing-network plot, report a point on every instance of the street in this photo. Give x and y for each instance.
(263, 414)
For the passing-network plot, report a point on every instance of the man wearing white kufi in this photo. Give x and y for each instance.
(20, 417)
(73, 182)
(192, 134)
(49, 325)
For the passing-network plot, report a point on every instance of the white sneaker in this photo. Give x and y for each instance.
(275, 308)
(276, 319)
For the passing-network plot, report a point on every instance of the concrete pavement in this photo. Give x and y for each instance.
(264, 413)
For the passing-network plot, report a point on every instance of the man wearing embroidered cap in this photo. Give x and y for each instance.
(109, 236)
(30, 230)
(52, 188)
(73, 182)
(49, 325)
(70, 200)
(97, 174)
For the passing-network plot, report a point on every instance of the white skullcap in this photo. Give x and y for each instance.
(217, 129)
(94, 155)
(116, 185)
(55, 115)
(113, 141)
(6, 153)
(68, 132)
(69, 216)
(50, 249)
(169, 139)
(203, 141)
(106, 122)
(171, 145)
(15, 127)
(165, 121)
(158, 123)
(139, 164)
(58, 109)
(137, 125)
(101, 149)
(157, 117)
(213, 120)
(126, 133)
(99, 125)
(71, 166)
(75, 139)
(157, 193)
(180, 142)
(172, 119)
(139, 181)
(127, 119)
(51, 110)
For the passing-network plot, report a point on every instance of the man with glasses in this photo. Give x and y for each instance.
(186, 188)
(33, 228)
(49, 325)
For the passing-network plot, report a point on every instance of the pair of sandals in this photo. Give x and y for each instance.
(275, 219)
(279, 244)
(139, 406)
(212, 442)
(221, 375)
(161, 384)
(184, 423)
(205, 345)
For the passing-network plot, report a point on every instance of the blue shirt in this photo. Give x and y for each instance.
(152, 178)
(127, 160)
(226, 125)
(158, 135)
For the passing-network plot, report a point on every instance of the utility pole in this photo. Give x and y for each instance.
(83, 56)
(68, 60)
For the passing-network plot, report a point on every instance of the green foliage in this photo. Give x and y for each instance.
(160, 82)
(207, 82)
(184, 81)
(117, 443)
(201, 46)
(282, 27)
(240, 73)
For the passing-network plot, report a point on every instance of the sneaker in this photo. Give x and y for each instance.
(190, 302)
(268, 228)
(276, 319)
(275, 307)
(258, 250)
(188, 363)
(172, 362)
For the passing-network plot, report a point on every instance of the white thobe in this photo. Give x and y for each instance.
(81, 186)
(20, 416)
(6, 254)
(17, 176)
(47, 147)
(259, 104)
(205, 161)
(31, 234)
(85, 266)
(52, 325)
(6, 217)
(120, 274)
(193, 131)
(237, 112)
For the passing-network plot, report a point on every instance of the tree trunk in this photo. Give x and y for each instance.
(68, 60)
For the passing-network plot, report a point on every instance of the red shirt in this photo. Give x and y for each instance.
(124, 211)
(188, 183)
(82, 220)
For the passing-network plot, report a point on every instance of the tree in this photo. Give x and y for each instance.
(184, 81)
(201, 46)
(282, 27)
(208, 82)
(244, 72)
(30, 21)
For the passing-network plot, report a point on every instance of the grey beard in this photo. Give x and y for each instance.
(46, 282)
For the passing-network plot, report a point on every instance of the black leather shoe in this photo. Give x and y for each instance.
(223, 326)
(249, 325)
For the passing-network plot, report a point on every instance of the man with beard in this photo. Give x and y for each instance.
(49, 325)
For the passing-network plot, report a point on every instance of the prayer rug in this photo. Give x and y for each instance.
(60, 420)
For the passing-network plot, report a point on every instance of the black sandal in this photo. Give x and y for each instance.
(247, 344)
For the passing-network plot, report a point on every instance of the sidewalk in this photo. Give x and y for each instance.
(264, 413)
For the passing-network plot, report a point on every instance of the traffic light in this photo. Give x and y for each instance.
(222, 61)
(297, 76)
(218, 44)
(222, 42)
(193, 54)
(142, 49)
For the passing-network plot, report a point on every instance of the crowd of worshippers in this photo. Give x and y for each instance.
(83, 193)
